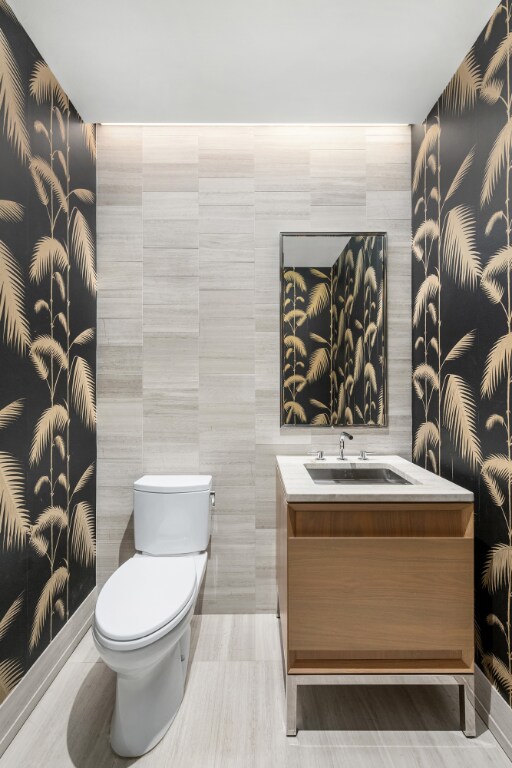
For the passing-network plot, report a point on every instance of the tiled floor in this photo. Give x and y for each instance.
(232, 715)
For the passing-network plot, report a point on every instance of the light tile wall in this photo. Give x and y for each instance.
(188, 350)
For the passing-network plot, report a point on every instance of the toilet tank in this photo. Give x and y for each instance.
(172, 513)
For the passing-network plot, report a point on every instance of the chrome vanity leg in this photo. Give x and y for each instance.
(291, 705)
(467, 705)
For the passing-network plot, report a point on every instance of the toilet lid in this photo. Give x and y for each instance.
(143, 595)
(173, 483)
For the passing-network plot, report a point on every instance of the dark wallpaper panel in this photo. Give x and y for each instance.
(359, 359)
(47, 354)
(462, 296)
(306, 318)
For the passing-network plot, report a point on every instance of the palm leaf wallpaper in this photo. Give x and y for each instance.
(333, 339)
(462, 315)
(48, 353)
(306, 314)
(359, 333)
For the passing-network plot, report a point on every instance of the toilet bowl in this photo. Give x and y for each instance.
(143, 613)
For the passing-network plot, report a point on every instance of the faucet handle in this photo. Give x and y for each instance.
(343, 436)
(319, 455)
(363, 456)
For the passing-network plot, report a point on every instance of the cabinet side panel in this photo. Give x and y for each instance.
(282, 561)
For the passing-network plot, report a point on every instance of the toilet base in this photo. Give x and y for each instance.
(151, 677)
(147, 702)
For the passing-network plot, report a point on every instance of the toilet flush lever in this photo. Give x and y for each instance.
(212, 498)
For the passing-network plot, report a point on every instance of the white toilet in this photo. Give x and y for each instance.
(143, 614)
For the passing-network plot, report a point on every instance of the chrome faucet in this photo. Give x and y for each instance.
(344, 436)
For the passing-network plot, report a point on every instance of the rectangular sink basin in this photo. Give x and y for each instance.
(355, 476)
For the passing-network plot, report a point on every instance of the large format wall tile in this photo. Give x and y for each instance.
(206, 228)
(120, 360)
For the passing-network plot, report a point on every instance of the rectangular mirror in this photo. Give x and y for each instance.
(333, 329)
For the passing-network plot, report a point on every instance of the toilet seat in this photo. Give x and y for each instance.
(144, 599)
(143, 643)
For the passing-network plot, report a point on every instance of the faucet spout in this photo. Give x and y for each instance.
(344, 436)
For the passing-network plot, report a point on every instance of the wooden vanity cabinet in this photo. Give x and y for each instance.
(375, 588)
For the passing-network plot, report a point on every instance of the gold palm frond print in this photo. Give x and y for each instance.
(12, 100)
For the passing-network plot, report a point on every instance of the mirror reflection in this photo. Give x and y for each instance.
(333, 320)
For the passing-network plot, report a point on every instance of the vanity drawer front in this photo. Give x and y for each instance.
(388, 519)
(380, 594)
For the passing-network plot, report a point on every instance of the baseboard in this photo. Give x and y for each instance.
(494, 711)
(21, 701)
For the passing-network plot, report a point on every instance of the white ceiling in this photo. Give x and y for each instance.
(269, 61)
(317, 251)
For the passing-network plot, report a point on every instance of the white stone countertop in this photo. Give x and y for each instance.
(425, 485)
